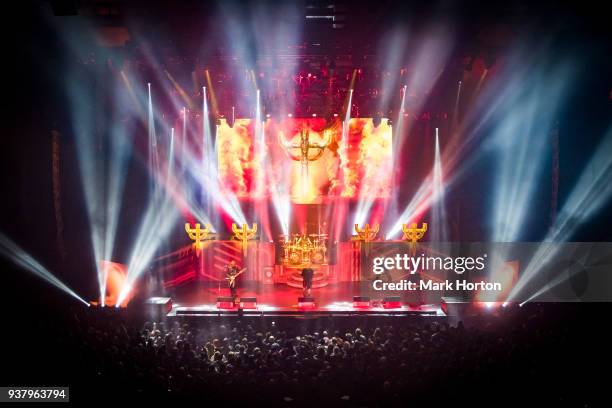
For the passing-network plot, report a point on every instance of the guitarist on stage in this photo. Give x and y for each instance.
(231, 273)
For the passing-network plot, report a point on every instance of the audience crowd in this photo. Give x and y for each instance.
(355, 361)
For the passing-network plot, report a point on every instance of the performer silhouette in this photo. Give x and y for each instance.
(307, 274)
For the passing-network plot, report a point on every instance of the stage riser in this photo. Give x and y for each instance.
(312, 314)
(209, 264)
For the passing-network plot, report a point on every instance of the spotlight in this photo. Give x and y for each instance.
(12, 251)
(588, 195)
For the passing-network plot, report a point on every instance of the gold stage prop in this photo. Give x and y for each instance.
(244, 234)
(413, 234)
(305, 250)
(197, 235)
(367, 233)
(305, 146)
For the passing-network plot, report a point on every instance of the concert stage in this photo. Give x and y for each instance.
(200, 299)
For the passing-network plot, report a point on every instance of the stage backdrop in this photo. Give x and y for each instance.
(308, 160)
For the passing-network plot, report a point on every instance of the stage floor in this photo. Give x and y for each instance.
(336, 298)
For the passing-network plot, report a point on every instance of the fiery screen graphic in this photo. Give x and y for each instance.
(310, 160)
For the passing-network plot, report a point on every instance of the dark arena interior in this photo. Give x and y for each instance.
(307, 203)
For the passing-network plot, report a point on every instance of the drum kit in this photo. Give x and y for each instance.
(305, 250)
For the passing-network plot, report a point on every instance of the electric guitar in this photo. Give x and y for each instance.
(232, 278)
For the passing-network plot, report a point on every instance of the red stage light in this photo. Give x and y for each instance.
(248, 303)
(392, 302)
(306, 303)
(361, 302)
(225, 303)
